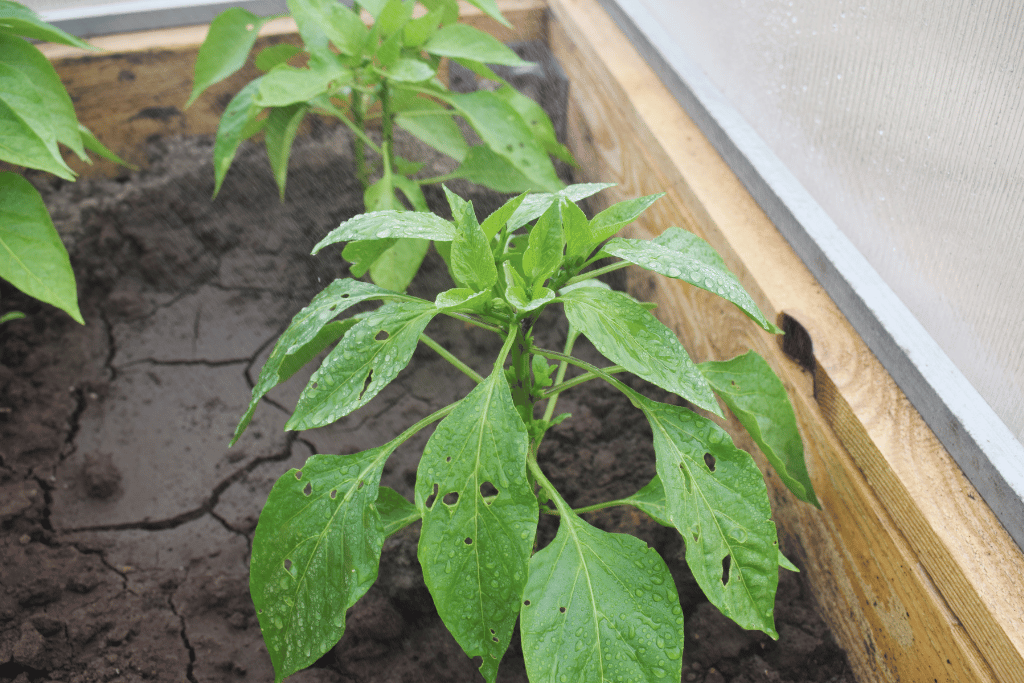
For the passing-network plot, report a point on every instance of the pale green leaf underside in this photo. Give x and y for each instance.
(630, 336)
(475, 544)
(758, 399)
(367, 358)
(315, 552)
(679, 254)
(331, 302)
(720, 512)
(395, 511)
(390, 224)
(32, 256)
(600, 607)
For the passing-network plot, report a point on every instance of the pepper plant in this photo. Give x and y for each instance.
(385, 75)
(36, 116)
(592, 605)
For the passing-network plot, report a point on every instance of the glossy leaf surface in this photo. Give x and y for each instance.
(305, 327)
(600, 607)
(282, 126)
(536, 204)
(758, 399)
(367, 358)
(395, 511)
(231, 131)
(717, 499)
(390, 224)
(680, 254)
(475, 544)
(27, 137)
(315, 552)
(226, 47)
(628, 335)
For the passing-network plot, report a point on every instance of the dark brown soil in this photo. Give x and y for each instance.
(126, 523)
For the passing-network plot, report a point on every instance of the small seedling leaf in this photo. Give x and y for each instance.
(717, 499)
(758, 399)
(470, 260)
(630, 336)
(677, 253)
(32, 256)
(367, 358)
(600, 607)
(544, 249)
(315, 552)
(475, 552)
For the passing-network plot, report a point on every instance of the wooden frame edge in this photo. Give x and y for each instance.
(914, 572)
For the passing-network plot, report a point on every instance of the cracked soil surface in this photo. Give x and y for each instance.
(126, 522)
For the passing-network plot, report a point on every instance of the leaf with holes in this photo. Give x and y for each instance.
(307, 324)
(627, 334)
(680, 254)
(315, 553)
(600, 607)
(757, 398)
(718, 501)
(367, 358)
(479, 520)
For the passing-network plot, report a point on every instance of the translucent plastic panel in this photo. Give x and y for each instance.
(905, 121)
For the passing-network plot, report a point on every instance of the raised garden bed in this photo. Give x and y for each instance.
(120, 562)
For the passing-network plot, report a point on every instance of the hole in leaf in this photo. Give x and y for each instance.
(287, 565)
(332, 308)
(448, 459)
(732, 382)
(562, 610)
(382, 335)
(478, 661)
(361, 483)
(493, 631)
(451, 498)
(494, 638)
(709, 460)
(487, 489)
(334, 494)
(726, 564)
(526, 602)
(298, 474)
(345, 295)
(469, 541)
(696, 537)
(308, 490)
(314, 385)
(431, 498)
(366, 384)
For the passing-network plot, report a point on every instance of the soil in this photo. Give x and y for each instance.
(126, 522)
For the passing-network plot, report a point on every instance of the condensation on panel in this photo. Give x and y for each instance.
(905, 121)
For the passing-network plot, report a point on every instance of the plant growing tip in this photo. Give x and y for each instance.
(592, 605)
(383, 72)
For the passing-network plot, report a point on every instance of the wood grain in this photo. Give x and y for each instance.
(135, 90)
(913, 571)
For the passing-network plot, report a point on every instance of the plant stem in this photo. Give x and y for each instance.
(589, 275)
(358, 146)
(600, 506)
(387, 126)
(570, 341)
(522, 386)
(448, 356)
(578, 380)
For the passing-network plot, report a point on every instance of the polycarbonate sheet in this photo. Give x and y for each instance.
(904, 121)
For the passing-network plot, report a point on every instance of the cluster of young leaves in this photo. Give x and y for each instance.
(592, 605)
(36, 117)
(386, 72)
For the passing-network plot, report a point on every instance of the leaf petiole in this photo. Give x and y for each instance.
(451, 358)
(589, 275)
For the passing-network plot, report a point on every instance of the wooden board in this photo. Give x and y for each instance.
(913, 572)
(136, 89)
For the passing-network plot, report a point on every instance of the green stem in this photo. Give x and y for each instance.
(429, 419)
(522, 386)
(538, 475)
(578, 380)
(387, 126)
(570, 341)
(600, 506)
(358, 145)
(438, 179)
(448, 356)
(475, 321)
(589, 275)
(603, 373)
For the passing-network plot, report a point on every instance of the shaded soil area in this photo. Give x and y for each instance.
(126, 522)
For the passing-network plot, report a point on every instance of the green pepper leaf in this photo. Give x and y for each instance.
(282, 126)
(363, 253)
(717, 499)
(272, 55)
(758, 399)
(471, 260)
(20, 20)
(680, 254)
(395, 511)
(612, 219)
(367, 358)
(395, 268)
(32, 256)
(409, 70)
(577, 233)
(285, 85)
(225, 49)
(27, 135)
(537, 120)
(600, 607)
(459, 41)
(419, 31)
(544, 249)
(479, 520)
(92, 144)
(630, 336)
(433, 124)
(327, 21)
(490, 8)
(493, 224)
(305, 327)
(536, 204)
(236, 124)
(26, 58)
(315, 552)
(390, 224)
(503, 130)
